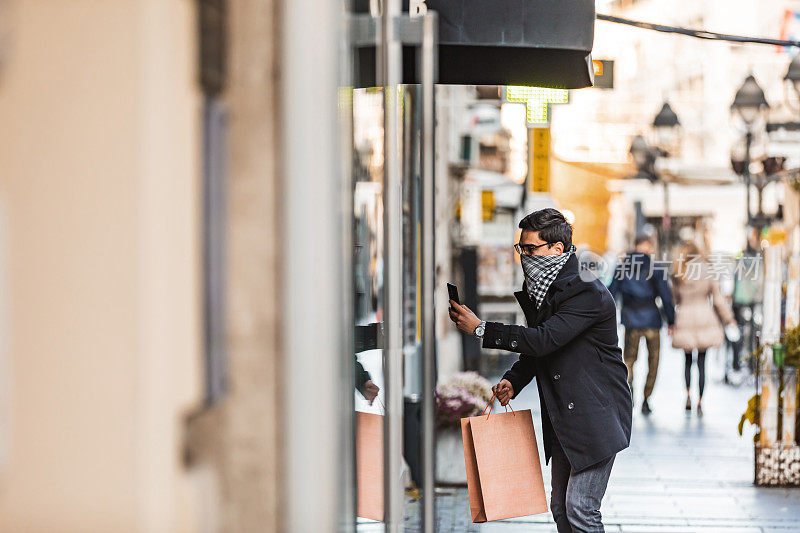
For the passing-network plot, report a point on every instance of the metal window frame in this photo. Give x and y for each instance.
(214, 216)
(396, 30)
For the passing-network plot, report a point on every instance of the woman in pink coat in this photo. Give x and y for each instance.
(701, 310)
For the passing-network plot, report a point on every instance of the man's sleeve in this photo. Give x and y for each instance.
(573, 318)
(361, 376)
(521, 373)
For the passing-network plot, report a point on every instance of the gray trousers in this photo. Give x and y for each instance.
(576, 496)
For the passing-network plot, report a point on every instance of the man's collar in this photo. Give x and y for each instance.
(567, 272)
(564, 278)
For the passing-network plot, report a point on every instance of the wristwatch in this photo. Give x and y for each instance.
(480, 329)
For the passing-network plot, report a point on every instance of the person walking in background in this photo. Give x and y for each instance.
(698, 320)
(638, 285)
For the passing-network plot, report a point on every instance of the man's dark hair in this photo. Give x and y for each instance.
(551, 225)
(642, 238)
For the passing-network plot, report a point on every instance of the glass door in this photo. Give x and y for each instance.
(388, 172)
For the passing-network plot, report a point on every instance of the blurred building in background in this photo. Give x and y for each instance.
(698, 79)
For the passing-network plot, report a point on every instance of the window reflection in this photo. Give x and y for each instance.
(367, 169)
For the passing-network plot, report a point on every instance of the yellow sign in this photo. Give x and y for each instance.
(539, 159)
(487, 205)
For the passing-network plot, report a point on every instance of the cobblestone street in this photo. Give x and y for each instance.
(681, 473)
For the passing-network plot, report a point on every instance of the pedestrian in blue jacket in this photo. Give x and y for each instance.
(637, 284)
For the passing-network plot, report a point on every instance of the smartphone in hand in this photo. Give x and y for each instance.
(452, 291)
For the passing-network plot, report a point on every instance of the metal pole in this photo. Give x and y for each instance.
(666, 222)
(748, 143)
(312, 297)
(770, 334)
(391, 77)
(428, 86)
(349, 483)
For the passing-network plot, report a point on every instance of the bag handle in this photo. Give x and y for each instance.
(383, 407)
(489, 407)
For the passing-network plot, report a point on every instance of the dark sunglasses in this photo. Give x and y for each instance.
(528, 249)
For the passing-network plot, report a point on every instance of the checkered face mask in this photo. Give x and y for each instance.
(540, 271)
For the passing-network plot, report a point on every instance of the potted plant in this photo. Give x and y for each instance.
(464, 394)
(777, 464)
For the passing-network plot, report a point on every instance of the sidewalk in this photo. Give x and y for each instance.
(681, 473)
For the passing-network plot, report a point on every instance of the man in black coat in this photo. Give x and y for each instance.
(571, 347)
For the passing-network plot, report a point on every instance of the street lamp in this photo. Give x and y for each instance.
(793, 73)
(667, 127)
(644, 157)
(749, 103)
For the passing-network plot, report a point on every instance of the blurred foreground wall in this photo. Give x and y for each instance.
(234, 446)
(99, 252)
(102, 422)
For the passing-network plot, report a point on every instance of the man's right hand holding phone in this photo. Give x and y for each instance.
(504, 391)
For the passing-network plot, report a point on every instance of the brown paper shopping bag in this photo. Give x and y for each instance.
(504, 475)
(369, 465)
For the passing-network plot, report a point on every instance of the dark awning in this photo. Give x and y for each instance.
(545, 43)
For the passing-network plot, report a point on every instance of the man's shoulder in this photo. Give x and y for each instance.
(592, 290)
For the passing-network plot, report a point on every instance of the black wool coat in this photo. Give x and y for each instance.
(572, 349)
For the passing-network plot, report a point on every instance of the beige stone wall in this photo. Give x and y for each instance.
(99, 189)
(100, 274)
(238, 441)
(252, 500)
(253, 417)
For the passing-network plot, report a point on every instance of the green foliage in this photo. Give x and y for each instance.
(791, 340)
(750, 415)
(791, 343)
(794, 182)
